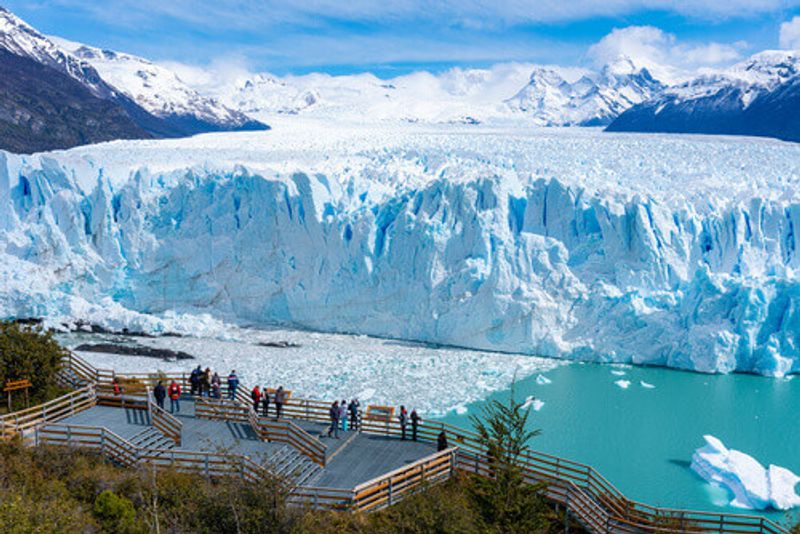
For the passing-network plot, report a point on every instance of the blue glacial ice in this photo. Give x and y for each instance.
(654, 250)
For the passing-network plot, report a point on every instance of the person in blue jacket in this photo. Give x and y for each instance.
(233, 383)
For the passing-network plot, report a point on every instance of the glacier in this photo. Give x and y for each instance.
(660, 250)
(753, 487)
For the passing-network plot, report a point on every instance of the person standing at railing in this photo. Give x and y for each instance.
(194, 380)
(160, 393)
(265, 393)
(334, 415)
(233, 383)
(403, 417)
(174, 397)
(441, 442)
(256, 396)
(117, 388)
(216, 386)
(343, 415)
(280, 399)
(207, 382)
(415, 419)
(353, 409)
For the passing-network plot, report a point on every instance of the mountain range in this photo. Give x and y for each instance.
(56, 96)
(58, 93)
(759, 96)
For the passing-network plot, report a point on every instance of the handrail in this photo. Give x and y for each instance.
(386, 489)
(578, 479)
(50, 411)
(166, 423)
(280, 430)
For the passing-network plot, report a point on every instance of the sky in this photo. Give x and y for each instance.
(391, 38)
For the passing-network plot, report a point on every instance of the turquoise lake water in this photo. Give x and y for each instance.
(642, 439)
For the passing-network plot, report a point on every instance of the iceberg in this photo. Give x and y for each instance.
(623, 384)
(636, 249)
(646, 385)
(543, 380)
(750, 484)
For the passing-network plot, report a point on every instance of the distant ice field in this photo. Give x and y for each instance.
(708, 170)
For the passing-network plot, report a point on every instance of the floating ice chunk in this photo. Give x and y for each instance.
(782, 484)
(532, 402)
(624, 384)
(461, 409)
(618, 373)
(646, 385)
(750, 484)
(543, 380)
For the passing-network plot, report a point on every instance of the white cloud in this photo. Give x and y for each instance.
(790, 34)
(662, 52)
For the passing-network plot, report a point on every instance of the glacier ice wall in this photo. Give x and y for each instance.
(493, 261)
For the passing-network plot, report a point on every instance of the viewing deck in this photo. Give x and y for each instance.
(353, 459)
(364, 470)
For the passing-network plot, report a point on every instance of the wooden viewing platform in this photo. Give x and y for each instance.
(365, 470)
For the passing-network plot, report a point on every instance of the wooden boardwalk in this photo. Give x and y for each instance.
(362, 471)
(356, 458)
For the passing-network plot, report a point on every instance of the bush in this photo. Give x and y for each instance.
(26, 352)
(115, 513)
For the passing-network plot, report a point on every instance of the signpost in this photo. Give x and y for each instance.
(16, 385)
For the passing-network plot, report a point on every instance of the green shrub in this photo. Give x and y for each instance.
(115, 513)
(26, 352)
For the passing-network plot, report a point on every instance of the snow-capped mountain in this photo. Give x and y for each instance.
(456, 95)
(21, 39)
(594, 99)
(142, 99)
(159, 90)
(757, 96)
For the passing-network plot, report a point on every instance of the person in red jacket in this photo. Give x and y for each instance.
(174, 393)
(256, 396)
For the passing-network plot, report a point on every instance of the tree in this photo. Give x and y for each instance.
(26, 352)
(506, 501)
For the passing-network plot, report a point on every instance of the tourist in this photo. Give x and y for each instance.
(343, 415)
(216, 386)
(265, 393)
(174, 397)
(207, 382)
(403, 417)
(334, 415)
(415, 419)
(353, 408)
(256, 396)
(194, 380)
(117, 388)
(160, 393)
(441, 442)
(280, 399)
(233, 383)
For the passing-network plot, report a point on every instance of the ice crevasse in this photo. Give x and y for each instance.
(412, 241)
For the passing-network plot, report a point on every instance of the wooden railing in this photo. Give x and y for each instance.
(166, 423)
(580, 488)
(590, 497)
(389, 488)
(51, 411)
(282, 430)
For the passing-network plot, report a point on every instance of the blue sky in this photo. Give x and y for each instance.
(395, 37)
